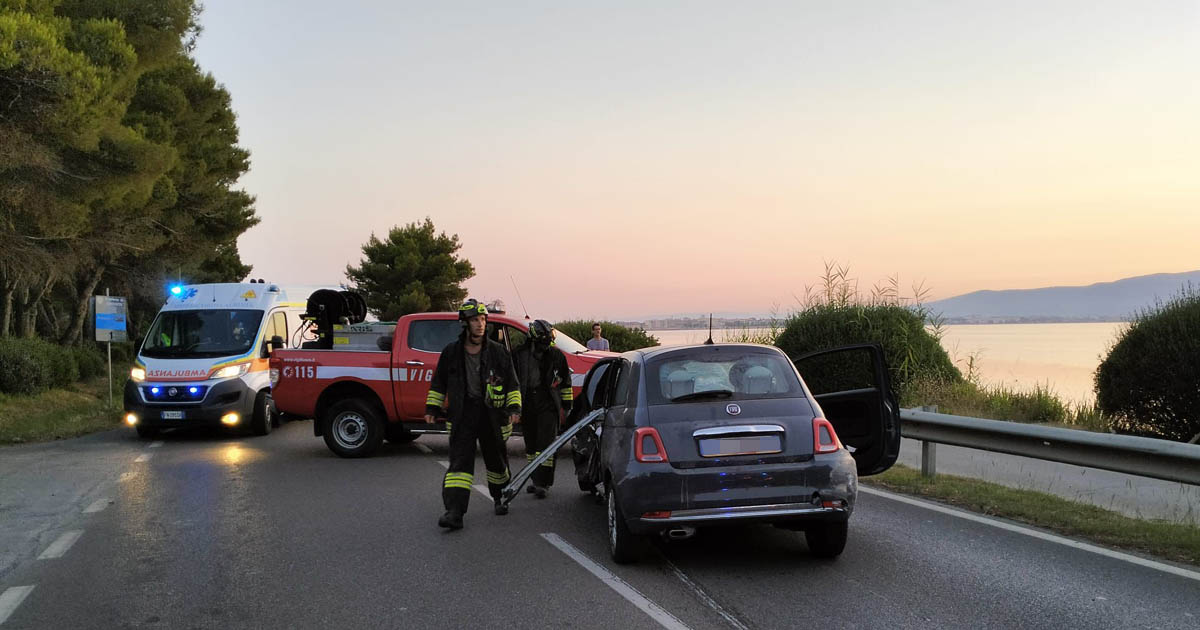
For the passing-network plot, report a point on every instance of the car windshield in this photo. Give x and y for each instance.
(202, 333)
(720, 373)
(567, 344)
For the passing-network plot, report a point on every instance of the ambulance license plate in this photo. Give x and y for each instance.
(171, 415)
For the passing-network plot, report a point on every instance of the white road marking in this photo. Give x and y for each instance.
(144, 457)
(1033, 533)
(704, 596)
(444, 464)
(11, 598)
(425, 449)
(656, 612)
(99, 505)
(126, 476)
(156, 444)
(62, 545)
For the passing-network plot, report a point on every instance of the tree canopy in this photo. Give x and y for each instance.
(118, 157)
(413, 270)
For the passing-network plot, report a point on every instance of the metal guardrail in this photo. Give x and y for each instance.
(1145, 457)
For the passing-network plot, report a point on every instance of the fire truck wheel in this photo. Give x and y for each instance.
(264, 414)
(397, 434)
(353, 428)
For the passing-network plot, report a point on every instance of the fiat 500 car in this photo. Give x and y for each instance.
(695, 436)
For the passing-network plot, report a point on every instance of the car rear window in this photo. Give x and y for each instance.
(748, 373)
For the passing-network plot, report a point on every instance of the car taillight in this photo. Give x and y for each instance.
(647, 446)
(825, 439)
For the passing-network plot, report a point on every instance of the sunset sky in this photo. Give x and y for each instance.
(629, 160)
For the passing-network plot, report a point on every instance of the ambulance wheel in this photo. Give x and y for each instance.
(353, 428)
(624, 546)
(397, 434)
(146, 432)
(264, 414)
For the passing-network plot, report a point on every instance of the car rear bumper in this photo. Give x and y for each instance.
(229, 396)
(654, 498)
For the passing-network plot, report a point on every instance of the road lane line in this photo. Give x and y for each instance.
(144, 457)
(62, 545)
(99, 505)
(156, 444)
(11, 598)
(656, 612)
(126, 476)
(704, 596)
(425, 449)
(1033, 533)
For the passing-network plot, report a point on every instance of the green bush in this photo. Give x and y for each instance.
(91, 363)
(1150, 381)
(912, 352)
(26, 365)
(620, 338)
(63, 368)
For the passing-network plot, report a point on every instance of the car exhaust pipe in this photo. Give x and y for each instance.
(680, 533)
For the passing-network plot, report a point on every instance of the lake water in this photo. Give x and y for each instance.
(1023, 356)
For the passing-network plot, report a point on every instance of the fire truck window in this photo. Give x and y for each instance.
(432, 335)
(516, 337)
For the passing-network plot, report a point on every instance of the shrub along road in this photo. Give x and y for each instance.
(207, 531)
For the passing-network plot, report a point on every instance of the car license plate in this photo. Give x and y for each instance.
(747, 445)
(171, 415)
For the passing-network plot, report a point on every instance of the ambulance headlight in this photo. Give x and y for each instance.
(231, 371)
(137, 374)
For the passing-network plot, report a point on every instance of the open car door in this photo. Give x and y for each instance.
(852, 385)
(588, 408)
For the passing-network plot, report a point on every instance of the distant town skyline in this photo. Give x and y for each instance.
(622, 160)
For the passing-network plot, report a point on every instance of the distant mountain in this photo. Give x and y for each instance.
(1103, 301)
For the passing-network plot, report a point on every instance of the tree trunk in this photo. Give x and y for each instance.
(82, 297)
(6, 310)
(50, 321)
(21, 312)
(29, 311)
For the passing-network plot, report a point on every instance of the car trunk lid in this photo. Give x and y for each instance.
(698, 434)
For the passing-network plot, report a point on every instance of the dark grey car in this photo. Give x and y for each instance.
(694, 436)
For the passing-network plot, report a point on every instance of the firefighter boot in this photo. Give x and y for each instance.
(501, 508)
(451, 520)
(538, 491)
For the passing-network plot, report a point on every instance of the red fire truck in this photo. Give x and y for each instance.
(371, 383)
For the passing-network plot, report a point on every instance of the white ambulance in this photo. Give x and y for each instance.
(204, 359)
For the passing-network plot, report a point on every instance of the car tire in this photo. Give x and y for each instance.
(264, 414)
(397, 434)
(826, 540)
(624, 546)
(145, 432)
(353, 428)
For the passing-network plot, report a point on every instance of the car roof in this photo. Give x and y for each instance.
(661, 351)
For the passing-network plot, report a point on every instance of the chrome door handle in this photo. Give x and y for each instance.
(414, 363)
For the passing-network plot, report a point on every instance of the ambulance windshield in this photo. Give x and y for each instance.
(202, 333)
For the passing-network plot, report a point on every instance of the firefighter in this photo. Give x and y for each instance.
(475, 388)
(546, 393)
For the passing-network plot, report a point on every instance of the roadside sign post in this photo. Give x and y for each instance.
(110, 327)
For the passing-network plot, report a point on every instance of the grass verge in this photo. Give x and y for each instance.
(58, 413)
(1171, 541)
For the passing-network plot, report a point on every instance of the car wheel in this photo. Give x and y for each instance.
(264, 414)
(397, 434)
(353, 428)
(826, 540)
(146, 432)
(624, 545)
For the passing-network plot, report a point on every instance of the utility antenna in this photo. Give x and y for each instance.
(519, 298)
(710, 341)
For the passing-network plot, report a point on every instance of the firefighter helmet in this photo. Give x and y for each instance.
(541, 333)
(470, 309)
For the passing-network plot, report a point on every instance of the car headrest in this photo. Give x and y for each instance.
(679, 383)
(759, 380)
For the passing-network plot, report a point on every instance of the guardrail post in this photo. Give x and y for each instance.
(929, 451)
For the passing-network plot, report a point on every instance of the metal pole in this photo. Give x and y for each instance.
(929, 452)
(110, 395)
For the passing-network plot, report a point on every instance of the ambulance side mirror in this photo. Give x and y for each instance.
(274, 344)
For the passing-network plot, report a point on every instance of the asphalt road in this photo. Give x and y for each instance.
(211, 531)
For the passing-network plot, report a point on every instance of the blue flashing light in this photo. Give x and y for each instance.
(154, 390)
(176, 290)
(193, 390)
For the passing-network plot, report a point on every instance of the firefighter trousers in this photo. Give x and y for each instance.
(539, 424)
(475, 425)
